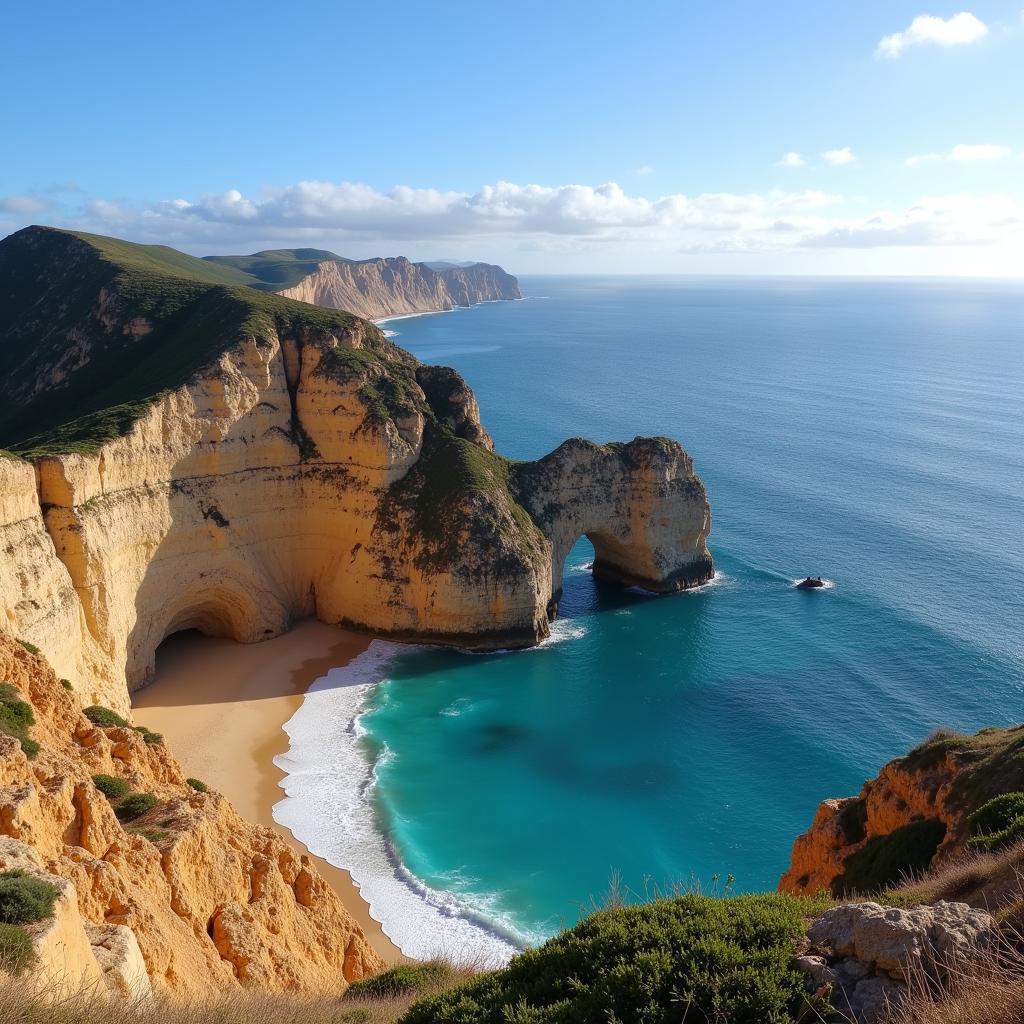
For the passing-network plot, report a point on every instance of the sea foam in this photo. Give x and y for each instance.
(329, 807)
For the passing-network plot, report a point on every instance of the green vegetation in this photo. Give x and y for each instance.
(997, 824)
(693, 958)
(185, 310)
(198, 785)
(275, 269)
(402, 979)
(16, 953)
(885, 860)
(104, 717)
(66, 683)
(16, 717)
(148, 735)
(111, 787)
(25, 898)
(135, 805)
(31, 648)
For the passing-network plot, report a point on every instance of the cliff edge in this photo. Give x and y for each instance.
(194, 453)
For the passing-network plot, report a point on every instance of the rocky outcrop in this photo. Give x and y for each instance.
(201, 899)
(865, 958)
(939, 782)
(394, 287)
(313, 468)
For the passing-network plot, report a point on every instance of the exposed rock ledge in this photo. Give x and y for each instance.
(310, 468)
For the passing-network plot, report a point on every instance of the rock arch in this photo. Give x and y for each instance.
(640, 504)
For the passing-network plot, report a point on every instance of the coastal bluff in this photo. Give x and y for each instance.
(191, 453)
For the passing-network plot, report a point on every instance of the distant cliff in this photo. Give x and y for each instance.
(373, 288)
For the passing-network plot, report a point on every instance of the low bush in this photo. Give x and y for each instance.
(997, 824)
(886, 860)
(135, 805)
(66, 683)
(148, 735)
(31, 648)
(198, 785)
(16, 951)
(111, 787)
(692, 958)
(402, 979)
(16, 717)
(25, 898)
(104, 717)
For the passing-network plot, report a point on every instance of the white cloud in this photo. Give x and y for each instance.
(962, 153)
(975, 154)
(926, 30)
(644, 170)
(791, 159)
(560, 222)
(838, 157)
(24, 205)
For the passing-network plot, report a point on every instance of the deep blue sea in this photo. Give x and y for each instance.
(870, 432)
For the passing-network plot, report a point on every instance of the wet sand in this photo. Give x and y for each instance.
(222, 706)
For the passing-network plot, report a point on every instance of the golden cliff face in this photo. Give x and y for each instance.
(310, 474)
(395, 287)
(208, 901)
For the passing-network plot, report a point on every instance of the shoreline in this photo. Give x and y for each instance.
(222, 706)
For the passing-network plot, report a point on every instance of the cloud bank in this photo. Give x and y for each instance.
(926, 30)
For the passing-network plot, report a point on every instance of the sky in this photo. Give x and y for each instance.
(845, 137)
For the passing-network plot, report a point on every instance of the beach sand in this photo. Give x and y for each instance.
(222, 706)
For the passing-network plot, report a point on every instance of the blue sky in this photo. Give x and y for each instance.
(548, 137)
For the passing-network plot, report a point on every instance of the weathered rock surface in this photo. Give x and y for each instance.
(865, 956)
(312, 470)
(188, 898)
(395, 286)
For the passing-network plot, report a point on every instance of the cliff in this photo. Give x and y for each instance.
(208, 456)
(920, 812)
(185, 898)
(372, 288)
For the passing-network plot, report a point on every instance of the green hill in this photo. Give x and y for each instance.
(93, 329)
(274, 269)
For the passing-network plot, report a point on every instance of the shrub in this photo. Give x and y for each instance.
(135, 805)
(998, 823)
(198, 785)
(148, 735)
(66, 683)
(31, 648)
(25, 898)
(885, 860)
(692, 958)
(111, 787)
(15, 718)
(401, 980)
(104, 717)
(16, 951)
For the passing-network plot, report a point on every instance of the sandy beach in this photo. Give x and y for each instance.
(222, 706)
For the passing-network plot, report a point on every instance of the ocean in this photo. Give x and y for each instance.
(871, 432)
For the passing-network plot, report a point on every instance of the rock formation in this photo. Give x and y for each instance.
(187, 898)
(867, 957)
(265, 461)
(372, 288)
(931, 790)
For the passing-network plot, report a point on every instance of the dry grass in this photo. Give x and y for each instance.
(18, 1005)
(989, 990)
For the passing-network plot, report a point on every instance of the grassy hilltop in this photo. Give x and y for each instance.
(73, 371)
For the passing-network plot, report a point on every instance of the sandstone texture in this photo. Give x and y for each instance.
(307, 466)
(394, 287)
(866, 957)
(188, 898)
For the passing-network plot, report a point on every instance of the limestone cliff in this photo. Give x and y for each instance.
(292, 462)
(941, 782)
(186, 898)
(373, 288)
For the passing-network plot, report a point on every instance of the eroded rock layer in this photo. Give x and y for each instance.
(307, 467)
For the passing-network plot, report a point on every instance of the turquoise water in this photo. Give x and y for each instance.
(868, 432)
